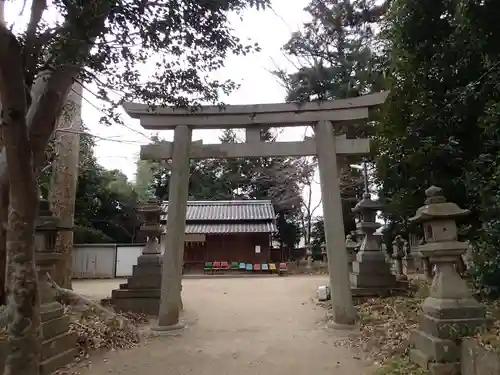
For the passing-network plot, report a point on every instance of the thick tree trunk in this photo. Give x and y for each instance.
(4, 209)
(65, 175)
(22, 286)
(23, 300)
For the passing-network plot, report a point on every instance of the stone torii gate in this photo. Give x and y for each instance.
(326, 145)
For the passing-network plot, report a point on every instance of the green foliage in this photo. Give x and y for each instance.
(183, 41)
(440, 122)
(400, 366)
(83, 235)
(337, 51)
(317, 237)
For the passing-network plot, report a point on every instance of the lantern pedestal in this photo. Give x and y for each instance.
(58, 345)
(141, 292)
(450, 313)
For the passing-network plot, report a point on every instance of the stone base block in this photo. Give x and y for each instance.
(368, 280)
(434, 368)
(146, 269)
(148, 306)
(452, 329)
(378, 292)
(465, 308)
(371, 292)
(135, 293)
(144, 301)
(53, 364)
(435, 349)
(372, 268)
(150, 259)
(444, 368)
(144, 282)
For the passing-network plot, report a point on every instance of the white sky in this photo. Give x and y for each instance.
(271, 29)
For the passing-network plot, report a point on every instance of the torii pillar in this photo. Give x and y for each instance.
(173, 245)
(340, 291)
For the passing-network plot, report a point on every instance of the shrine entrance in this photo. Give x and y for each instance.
(328, 118)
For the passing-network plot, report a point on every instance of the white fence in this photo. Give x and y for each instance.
(104, 261)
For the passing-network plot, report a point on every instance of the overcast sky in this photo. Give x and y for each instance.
(270, 28)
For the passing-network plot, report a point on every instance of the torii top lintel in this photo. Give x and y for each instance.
(244, 116)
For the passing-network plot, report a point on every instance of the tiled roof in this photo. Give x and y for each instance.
(220, 228)
(227, 210)
(211, 217)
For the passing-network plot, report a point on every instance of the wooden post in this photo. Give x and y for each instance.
(170, 303)
(340, 289)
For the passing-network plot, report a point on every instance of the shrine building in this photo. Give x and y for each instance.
(232, 231)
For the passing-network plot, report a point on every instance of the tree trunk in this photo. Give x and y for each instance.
(4, 209)
(22, 289)
(65, 175)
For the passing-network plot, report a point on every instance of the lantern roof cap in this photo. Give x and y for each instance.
(152, 205)
(437, 208)
(367, 204)
(349, 242)
(45, 220)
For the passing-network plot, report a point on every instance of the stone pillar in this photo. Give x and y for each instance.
(351, 247)
(141, 293)
(173, 256)
(398, 254)
(371, 274)
(409, 266)
(309, 257)
(323, 253)
(428, 271)
(343, 311)
(58, 345)
(450, 312)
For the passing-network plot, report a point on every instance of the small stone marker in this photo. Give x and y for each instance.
(323, 293)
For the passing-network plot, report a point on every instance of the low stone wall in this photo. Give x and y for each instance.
(475, 360)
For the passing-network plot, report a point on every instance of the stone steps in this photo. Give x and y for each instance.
(53, 364)
(58, 344)
(55, 327)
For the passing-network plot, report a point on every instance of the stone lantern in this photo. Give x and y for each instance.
(450, 312)
(58, 345)
(371, 274)
(141, 292)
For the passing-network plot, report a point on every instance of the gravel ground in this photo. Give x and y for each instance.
(240, 326)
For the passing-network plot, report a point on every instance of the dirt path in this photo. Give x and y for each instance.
(266, 326)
